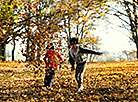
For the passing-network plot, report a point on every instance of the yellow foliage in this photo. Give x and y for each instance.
(101, 14)
(87, 32)
(84, 18)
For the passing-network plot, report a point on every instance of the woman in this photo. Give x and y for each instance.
(77, 55)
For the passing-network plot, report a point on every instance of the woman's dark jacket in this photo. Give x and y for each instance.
(81, 56)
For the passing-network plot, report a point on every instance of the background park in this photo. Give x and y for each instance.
(28, 26)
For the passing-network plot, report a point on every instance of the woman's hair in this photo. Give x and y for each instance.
(74, 40)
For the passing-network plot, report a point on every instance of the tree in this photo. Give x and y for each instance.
(129, 17)
(130, 55)
(47, 15)
(79, 18)
(39, 22)
(7, 14)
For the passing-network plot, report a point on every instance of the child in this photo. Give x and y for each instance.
(77, 55)
(51, 61)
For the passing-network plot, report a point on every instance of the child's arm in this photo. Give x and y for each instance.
(61, 59)
(83, 50)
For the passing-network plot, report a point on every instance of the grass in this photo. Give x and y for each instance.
(116, 81)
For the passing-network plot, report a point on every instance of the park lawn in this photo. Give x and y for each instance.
(109, 81)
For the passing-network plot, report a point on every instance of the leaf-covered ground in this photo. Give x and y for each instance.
(116, 81)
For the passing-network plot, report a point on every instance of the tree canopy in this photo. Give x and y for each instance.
(39, 22)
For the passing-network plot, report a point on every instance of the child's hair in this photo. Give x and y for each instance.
(50, 46)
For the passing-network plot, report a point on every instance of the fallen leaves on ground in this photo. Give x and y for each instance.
(116, 81)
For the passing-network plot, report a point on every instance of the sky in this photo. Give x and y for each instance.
(113, 38)
(114, 41)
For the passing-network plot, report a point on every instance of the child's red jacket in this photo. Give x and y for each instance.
(52, 58)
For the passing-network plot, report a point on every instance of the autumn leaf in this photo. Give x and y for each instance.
(102, 81)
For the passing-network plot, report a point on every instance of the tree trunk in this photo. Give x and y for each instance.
(137, 51)
(69, 26)
(3, 57)
(13, 50)
(32, 51)
(0, 52)
(90, 59)
(38, 52)
(27, 50)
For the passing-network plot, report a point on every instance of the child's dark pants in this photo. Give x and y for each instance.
(49, 75)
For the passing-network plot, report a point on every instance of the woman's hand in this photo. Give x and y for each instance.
(101, 53)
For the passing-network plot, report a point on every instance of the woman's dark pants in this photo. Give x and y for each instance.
(80, 69)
